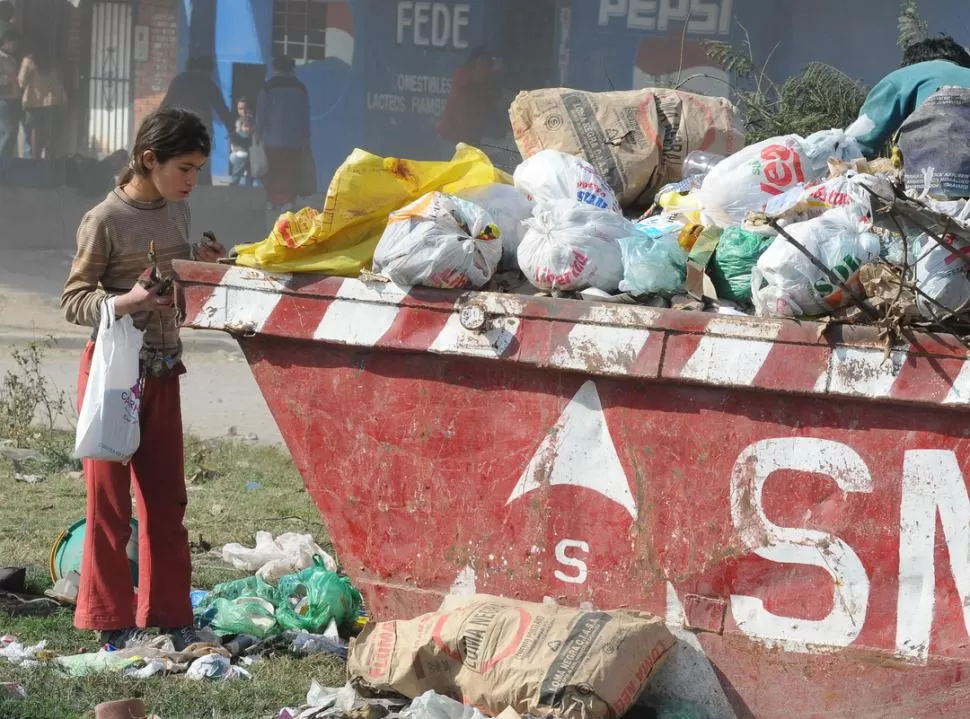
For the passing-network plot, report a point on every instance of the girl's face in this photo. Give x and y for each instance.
(242, 109)
(176, 178)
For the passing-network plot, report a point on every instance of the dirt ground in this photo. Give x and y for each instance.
(219, 396)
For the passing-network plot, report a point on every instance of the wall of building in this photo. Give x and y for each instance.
(153, 76)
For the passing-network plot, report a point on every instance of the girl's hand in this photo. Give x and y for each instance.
(209, 251)
(139, 299)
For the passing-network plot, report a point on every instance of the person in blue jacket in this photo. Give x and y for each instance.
(927, 66)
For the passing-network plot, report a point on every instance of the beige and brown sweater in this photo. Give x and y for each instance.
(112, 252)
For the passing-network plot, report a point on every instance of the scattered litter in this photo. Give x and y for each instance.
(431, 652)
(29, 478)
(432, 705)
(306, 601)
(253, 486)
(304, 643)
(65, 589)
(216, 668)
(19, 654)
(272, 559)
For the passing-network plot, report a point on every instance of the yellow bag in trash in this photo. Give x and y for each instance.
(364, 191)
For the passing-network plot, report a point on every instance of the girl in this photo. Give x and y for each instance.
(113, 241)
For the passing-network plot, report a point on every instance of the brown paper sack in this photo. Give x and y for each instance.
(496, 653)
(637, 140)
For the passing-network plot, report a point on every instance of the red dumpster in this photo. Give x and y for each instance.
(792, 497)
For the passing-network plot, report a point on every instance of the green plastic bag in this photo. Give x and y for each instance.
(738, 251)
(246, 615)
(311, 598)
(248, 587)
(242, 606)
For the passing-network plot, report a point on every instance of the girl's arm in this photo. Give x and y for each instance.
(83, 294)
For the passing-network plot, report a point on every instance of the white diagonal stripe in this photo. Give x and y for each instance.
(727, 360)
(243, 301)
(960, 390)
(361, 314)
(601, 349)
(861, 372)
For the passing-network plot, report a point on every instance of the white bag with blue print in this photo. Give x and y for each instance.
(108, 423)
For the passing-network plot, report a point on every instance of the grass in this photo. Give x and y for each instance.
(235, 489)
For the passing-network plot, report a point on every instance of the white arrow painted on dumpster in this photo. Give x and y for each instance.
(579, 451)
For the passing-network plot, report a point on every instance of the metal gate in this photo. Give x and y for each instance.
(110, 77)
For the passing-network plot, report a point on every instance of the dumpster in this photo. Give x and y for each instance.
(791, 497)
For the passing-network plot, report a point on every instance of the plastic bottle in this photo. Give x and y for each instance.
(700, 163)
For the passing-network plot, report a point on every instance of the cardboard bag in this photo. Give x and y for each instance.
(495, 653)
(637, 140)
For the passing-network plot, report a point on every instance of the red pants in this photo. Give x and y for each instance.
(282, 180)
(106, 598)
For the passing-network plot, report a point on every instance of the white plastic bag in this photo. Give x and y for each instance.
(551, 176)
(258, 161)
(943, 277)
(107, 426)
(272, 559)
(509, 208)
(746, 181)
(572, 246)
(432, 705)
(653, 260)
(786, 284)
(440, 241)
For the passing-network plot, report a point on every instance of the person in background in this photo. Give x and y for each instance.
(10, 109)
(927, 67)
(44, 98)
(195, 90)
(113, 243)
(239, 158)
(283, 127)
(472, 105)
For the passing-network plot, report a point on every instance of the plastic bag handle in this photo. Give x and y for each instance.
(108, 318)
(318, 562)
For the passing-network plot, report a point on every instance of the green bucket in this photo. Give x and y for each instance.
(66, 552)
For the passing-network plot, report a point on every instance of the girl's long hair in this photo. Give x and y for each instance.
(169, 132)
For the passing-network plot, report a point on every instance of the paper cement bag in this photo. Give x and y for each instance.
(637, 140)
(495, 653)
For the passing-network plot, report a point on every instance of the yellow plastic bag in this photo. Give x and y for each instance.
(364, 191)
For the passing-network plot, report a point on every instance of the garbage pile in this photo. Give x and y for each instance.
(790, 227)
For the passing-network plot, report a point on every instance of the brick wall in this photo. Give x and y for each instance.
(152, 78)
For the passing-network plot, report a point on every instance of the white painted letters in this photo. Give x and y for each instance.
(433, 24)
(577, 564)
(703, 17)
(932, 484)
(800, 546)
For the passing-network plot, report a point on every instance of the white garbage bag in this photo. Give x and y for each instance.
(439, 241)
(108, 423)
(943, 276)
(272, 558)
(550, 176)
(509, 208)
(573, 246)
(786, 284)
(746, 181)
